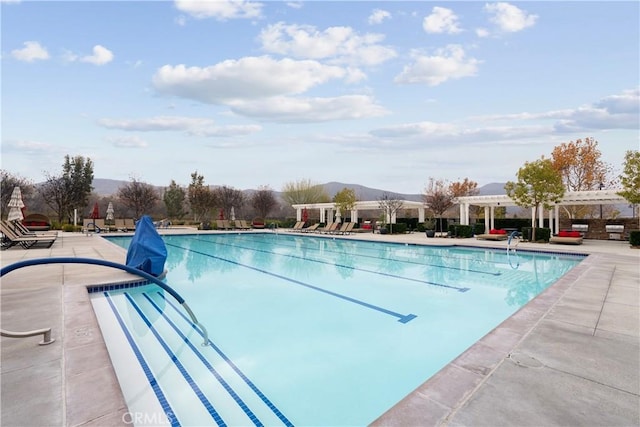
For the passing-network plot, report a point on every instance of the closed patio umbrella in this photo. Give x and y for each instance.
(232, 214)
(15, 205)
(305, 215)
(110, 212)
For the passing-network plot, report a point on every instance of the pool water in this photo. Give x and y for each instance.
(313, 330)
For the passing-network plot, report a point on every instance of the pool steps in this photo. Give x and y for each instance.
(202, 386)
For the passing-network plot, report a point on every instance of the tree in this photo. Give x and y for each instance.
(70, 190)
(438, 197)
(539, 184)
(580, 165)
(464, 188)
(345, 200)
(228, 198)
(263, 201)
(174, 198)
(138, 196)
(303, 191)
(201, 198)
(630, 178)
(390, 204)
(8, 182)
(78, 174)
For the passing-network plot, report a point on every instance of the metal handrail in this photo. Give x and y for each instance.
(135, 271)
(46, 335)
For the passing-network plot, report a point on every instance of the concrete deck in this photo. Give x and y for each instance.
(569, 357)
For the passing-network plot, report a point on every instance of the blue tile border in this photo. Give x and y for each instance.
(116, 286)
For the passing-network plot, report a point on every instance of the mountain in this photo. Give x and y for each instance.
(108, 187)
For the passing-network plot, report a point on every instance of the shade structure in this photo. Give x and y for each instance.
(95, 213)
(15, 205)
(110, 212)
(232, 214)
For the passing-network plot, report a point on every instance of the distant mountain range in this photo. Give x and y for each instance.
(108, 187)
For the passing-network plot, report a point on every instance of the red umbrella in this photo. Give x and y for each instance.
(95, 213)
(305, 215)
(221, 213)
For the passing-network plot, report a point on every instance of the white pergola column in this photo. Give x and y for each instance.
(551, 220)
(421, 215)
(354, 215)
(533, 216)
(487, 218)
(323, 215)
(393, 218)
(298, 214)
(557, 213)
(492, 215)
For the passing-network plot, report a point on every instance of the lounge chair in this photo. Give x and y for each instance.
(493, 235)
(90, 225)
(21, 230)
(242, 224)
(299, 226)
(567, 238)
(346, 228)
(10, 238)
(311, 228)
(223, 224)
(119, 224)
(129, 224)
(330, 228)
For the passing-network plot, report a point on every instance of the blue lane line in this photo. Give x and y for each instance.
(402, 318)
(251, 385)
(497, 273)
(350, 267)
(145, 367)
(206, 363)
(214, 414)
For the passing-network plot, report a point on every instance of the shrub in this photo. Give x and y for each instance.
(420, 227)
(399, 228)
(71, 228)
(478, 228)
(542, 234)
(634, 238)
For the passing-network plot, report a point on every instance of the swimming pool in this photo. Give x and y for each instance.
(307, 330)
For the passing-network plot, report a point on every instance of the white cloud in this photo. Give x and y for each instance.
(447, 63)
(220, 9)
(295, 4)
(245, 78)
(378, 16)
(441, 20)
(227, 131)
(28, 147)
(128, 142)
(339, 44)
(161, 123)
(509, 18)
(101, 55)
(482, 32)
(305, 110)
(31, 51)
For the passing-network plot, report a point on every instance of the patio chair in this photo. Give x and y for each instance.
(311, 228)
(299, 226)
(21, 230)
(10, 239)
(129, 224)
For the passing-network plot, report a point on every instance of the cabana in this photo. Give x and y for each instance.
(329, 211)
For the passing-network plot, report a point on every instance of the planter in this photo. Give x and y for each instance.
(430, 233)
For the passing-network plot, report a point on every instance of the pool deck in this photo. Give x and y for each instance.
(569, 357)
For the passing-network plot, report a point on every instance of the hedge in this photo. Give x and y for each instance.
(634, 237)
(542, 234)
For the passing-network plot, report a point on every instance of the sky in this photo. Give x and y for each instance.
(385, 94)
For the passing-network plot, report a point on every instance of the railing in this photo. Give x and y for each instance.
(46, 335)
(67, 260)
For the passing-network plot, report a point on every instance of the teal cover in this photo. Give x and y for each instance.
(147, 251)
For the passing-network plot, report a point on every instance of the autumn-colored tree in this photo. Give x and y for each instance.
(464, 188)
(539, 184)
(581, 168)
(345, 200)
(630, 178)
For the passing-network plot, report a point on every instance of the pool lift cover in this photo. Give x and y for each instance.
(147, 251)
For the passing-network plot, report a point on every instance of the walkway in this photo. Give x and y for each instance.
(570, 357)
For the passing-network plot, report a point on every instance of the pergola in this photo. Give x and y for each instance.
(592, 197)
(329, 210)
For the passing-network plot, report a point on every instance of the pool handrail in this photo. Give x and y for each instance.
(104, 263)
